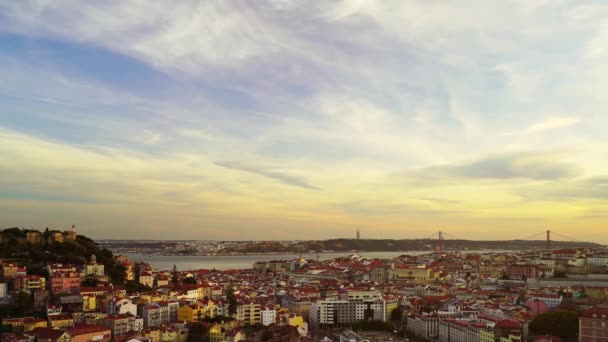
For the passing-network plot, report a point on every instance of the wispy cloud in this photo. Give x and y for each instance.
(532, 166)
(273, 173)
(593, 188)
(552, 124)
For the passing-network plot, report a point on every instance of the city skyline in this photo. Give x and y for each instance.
(289, 120)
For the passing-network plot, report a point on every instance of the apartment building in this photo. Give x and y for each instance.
(338, 313)
(593, 325)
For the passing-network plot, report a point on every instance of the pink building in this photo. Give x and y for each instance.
(537, 307)
(65, 282)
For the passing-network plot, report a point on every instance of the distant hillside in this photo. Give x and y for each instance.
(387, 245)
(14, 246)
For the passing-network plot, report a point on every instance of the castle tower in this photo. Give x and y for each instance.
(72, 233)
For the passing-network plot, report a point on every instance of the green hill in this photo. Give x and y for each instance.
(14, 246)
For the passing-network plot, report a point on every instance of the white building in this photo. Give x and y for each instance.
(168, 311)
(426, 327)
(93, 268)
(598, 260)
(549, 263)
(577, 262)
(336, 313)
(459, 331)
(269, 316)
(138, 325)
(122, 306)
(146, 279)
(550, 300)
(151, 314)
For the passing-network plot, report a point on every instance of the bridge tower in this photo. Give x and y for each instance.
(440, 245)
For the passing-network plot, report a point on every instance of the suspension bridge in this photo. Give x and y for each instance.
(546, 235)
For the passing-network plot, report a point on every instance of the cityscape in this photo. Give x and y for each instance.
(85, 291)
(303, 171)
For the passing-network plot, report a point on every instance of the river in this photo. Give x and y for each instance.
(183, 263)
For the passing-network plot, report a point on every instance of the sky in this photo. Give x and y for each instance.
(289, 119)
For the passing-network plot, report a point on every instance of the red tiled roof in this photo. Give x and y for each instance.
(599, 312)
(505, 323)
(61, 317)
(82, 329)
(95, 289)
(47, 333)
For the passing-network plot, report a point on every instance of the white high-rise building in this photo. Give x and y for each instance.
(337, 313)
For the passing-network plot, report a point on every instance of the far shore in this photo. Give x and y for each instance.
(352, 252)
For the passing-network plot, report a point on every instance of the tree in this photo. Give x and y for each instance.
(24, 302)
(557, 323)
(46, 235)
(232, 302)
(266, 335)
(373, 326)
(134, 287)
(174, 277)
(5, 328)
(397, 314)
(559, 274)
(117, 273)
(190, 280)
(217, 319)
(197, 333)
(137, 271)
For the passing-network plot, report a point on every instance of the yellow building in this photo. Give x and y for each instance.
(91, 297)
(511, 338)
(391, 304)
(128, 270)
(209, 308)
(189, 313)
(165, 334)
(153, 334)
(151, 298)
(216, 333)
(89, 303)
(63, 321)
(295, 320)
(56, 237)
(206, 291)
(25, 324)
(299, 306)
(33, 236)
(486, 335)
(415, 274)
(249, 313)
